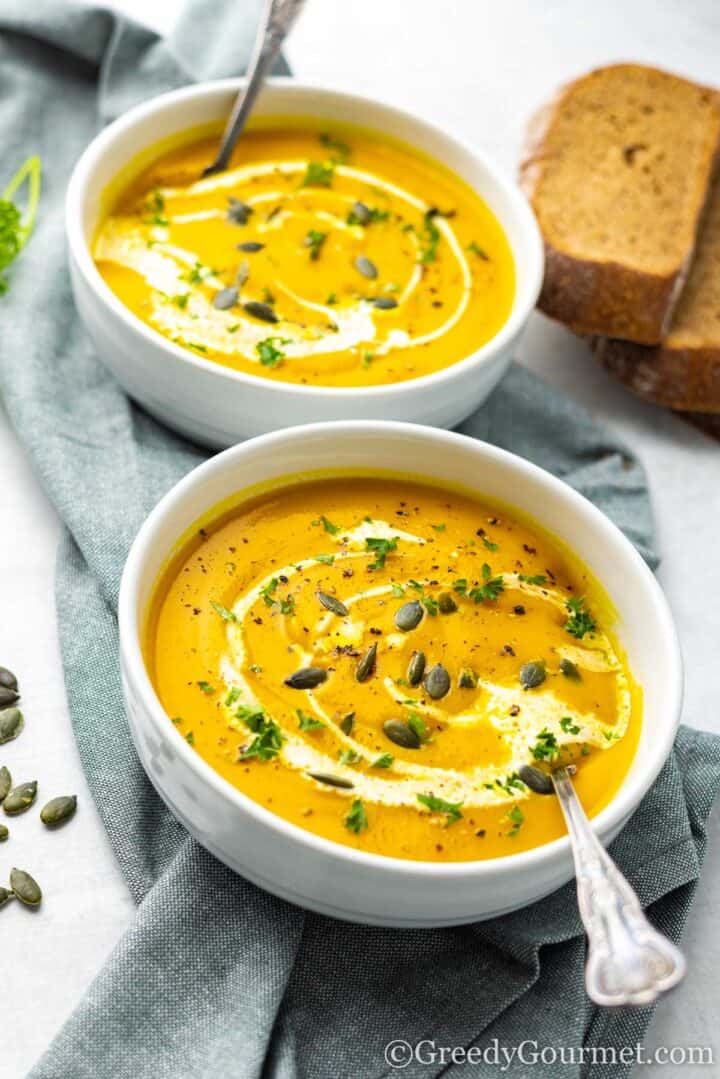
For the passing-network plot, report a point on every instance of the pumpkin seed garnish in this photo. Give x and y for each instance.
(5, 783)
(11, 724)
(385, 303)
(8, 696)
(367, 268)
(8, 679)
(570, 670)
(402, 734)
(58, 810)
(467, 679)
(251, 246)
(347, 723)
(5, 895)
(20, 798)
(330, 603)
(331, 780)
(416, 668)
(366, 666)
(437, 682)
(446, 603)
(409, 615)
(262, 311)
(225, 298)
(536, 779)
(306, 678)
(238, 211)
(4, 833)
(532, 674)
(25, 888)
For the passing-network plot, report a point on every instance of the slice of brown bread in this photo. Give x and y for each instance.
(617, 171)
(684, 371)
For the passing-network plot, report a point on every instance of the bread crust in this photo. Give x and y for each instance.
(685, 379)
(607, 297)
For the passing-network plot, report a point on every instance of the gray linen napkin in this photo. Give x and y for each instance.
(214, 977)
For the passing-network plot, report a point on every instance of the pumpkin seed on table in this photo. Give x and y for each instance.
(262, 311)
(58, 810)
(367, 268)
(409, 615)
(330, 603)
(347, 723)
(25, 888)
(366, 666)
(437, 682)
(532, 674)
(8, 679)
(537, 780)
(306, 678)
(11, 724)
(225, 298)
(5, 783)
(20, 798)
(5, 896)
(446, 603)
(8, 696)
(4, 833)
(331, 780)
(416, 668)
(401, 733)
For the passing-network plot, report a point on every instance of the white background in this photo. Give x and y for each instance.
(479, 68)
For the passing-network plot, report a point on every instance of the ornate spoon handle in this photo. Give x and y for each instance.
(629, 962)
(278, 18)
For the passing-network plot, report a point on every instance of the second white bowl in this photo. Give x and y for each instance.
(218, 406)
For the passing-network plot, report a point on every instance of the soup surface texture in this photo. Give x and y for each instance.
(287, 643)
(339, 259)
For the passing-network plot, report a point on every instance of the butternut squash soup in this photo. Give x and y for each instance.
(336, 258)
(394, 667)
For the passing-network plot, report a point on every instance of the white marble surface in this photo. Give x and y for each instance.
(478, 67)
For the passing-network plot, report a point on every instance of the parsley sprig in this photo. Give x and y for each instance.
(580, 621)
(15, 227)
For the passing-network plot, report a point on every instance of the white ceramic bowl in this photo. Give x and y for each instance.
(327, 876)
(218, 406)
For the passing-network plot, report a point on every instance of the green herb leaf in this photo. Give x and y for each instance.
(488, 544)
(268, 737)
(206, 688)
(268, 352)
(232, 696)
(318, 174)
(348, 756)
(356, 820)
(474, 249)
(314, 241)
(516, 818)
(569, 726)
(190, 738)
(229, 616)
(580, 621)
(546, 747)
(385, 760)
(430, 238)
(15, 227)
(381, 548)
(327, 559)
(341, 149)
(439, 805)
(328, 525)
(538, 579)
(308, 723)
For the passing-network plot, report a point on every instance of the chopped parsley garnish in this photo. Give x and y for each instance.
(439, 528)
(190, 738)
(318, 174)
(229, 616)
(327, 525)
(381, 548)
(510, 783)
(331, 299)
(373, 214)
(341, 149)
(367, 358)
(397, 590)
(580, 621)
(490, 590)
(439, 805)
(308, 723)
(181, 300)
(268, 352)
(232, 696)
(538, 579)
(430, 605)
(416, 723)
(255, 668)
(569, 726)
(315, 240)
(287, 606)
(15, 227)
(327, 559)
(348, 756)
(385, 760)
(268, 739)
(475, 249)
(546, 747)
(197, 274)
(206, 688)
(488, 544)
(430, 238)
(356, 820)
(516, 818)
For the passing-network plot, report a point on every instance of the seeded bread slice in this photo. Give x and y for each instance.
(684, 371)
(617, 171)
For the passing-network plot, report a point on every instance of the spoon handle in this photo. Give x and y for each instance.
(629, 962)
(278, 18)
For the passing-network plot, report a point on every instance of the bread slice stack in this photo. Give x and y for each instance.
(621, 173)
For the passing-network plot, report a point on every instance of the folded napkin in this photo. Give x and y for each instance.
(215, 977)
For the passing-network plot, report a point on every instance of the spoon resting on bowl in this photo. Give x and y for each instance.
(629, 962)
(278, 18)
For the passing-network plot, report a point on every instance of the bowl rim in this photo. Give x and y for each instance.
(606, 822)
(533, 258)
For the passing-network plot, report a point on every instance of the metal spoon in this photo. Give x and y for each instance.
(278, 18)
(629, 962)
